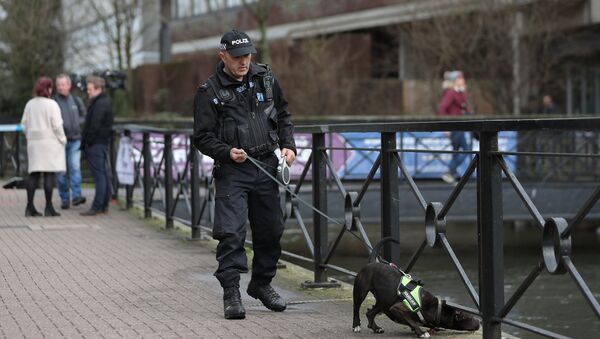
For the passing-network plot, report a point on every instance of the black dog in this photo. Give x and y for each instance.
(382, 280)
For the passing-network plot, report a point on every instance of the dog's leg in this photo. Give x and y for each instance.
(371, 314)
(404, 315)
(359, 293)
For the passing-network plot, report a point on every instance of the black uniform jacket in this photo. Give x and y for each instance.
(242, 115)
(97, 128)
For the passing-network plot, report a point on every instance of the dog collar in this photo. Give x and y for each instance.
(438, 314)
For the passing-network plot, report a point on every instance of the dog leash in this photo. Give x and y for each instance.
(284, 169)
(281, 167)
(258, 163)
(283, 179)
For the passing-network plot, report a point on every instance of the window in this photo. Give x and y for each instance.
(200, 7)
(215, 5)
(184, 8)
(187, 8)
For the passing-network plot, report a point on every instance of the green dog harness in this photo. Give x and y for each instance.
(409, 290)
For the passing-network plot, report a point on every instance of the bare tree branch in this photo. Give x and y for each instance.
(260, 10)
(32, 46)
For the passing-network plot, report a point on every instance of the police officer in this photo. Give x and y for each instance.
(239, 112)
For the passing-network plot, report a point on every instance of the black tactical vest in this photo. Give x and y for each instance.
(247, 113)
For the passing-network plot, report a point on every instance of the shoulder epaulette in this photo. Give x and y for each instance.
(203, 87)
(267, 67)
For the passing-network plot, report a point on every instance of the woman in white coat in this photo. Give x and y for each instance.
(43, 127)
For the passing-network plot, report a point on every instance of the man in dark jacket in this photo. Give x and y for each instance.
(97, 131)
(241, 112)
(72, 110)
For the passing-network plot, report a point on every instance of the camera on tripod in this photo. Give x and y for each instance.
(114, 79)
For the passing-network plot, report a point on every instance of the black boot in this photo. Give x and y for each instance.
(30, 211)
(232, 303)
(267, 295)
(50, 211)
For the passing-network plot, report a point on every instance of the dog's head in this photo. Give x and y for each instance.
(454, 319)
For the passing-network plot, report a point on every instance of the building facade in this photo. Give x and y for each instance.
(366, 57)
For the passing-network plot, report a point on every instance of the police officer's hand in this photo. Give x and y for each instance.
(289, 155)
(238, 155)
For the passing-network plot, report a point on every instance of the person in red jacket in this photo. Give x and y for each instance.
(454, 104)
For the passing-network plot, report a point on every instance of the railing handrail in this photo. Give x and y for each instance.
(151, 129)
(477, 125)
(11, 128)
(452, 124)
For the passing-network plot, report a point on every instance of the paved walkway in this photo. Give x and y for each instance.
(117, 276)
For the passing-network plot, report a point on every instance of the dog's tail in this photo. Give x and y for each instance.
(377, 248)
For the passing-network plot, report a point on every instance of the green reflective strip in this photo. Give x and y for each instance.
(414, 294)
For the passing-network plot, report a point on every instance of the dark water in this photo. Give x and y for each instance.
(552, 302)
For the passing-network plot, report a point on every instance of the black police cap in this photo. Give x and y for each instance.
(237, 43)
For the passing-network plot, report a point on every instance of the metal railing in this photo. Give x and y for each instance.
(10, 149)
(191, 182)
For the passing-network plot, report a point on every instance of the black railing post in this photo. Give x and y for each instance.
(147, 175)
(129, 196)
(319, 186)
(18, 153)
(168, 154)
(2, 154)
(489, 224)
(390, 216)
(129, 188)
(112, 159)
(195, 188)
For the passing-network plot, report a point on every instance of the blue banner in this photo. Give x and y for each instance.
(420, 165)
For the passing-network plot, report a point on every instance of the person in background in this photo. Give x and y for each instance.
(97, 130)
(43, 127)
(73, 114)
(548, 106)
(454, 104)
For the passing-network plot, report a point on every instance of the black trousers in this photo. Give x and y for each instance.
(32, 184)
(244, 192)
(97, 157)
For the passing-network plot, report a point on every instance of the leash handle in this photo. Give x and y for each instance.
(283, 171)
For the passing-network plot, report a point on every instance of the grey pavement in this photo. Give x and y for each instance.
(115, 276)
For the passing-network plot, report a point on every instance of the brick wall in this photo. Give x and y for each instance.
(282, 12)
(319, 77)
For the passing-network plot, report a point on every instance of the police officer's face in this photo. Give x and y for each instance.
(237, 67)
